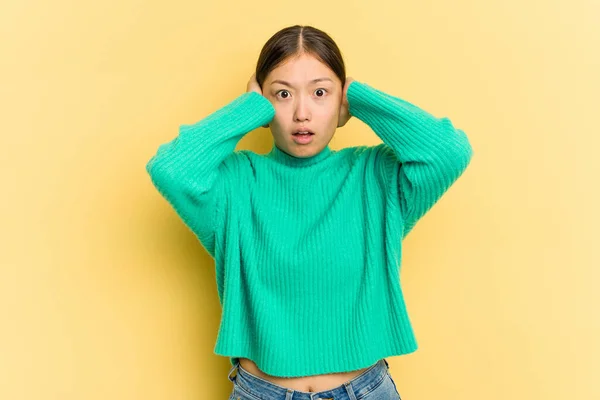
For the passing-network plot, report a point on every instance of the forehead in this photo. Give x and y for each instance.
(301, 70)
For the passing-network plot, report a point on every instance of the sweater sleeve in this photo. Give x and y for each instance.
(421, 156)
(193, 170)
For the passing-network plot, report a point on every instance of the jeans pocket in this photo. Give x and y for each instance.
(241, 393)
(370, 391)
(386, 390)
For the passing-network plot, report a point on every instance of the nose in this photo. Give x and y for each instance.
(302, 109)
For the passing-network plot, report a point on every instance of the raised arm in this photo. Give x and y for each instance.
(421, 156)
(192, 170)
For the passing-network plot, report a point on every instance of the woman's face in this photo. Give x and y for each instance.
(302, 103)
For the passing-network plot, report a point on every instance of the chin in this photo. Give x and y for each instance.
(305, 151)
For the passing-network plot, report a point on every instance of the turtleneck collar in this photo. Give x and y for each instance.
(281, 156)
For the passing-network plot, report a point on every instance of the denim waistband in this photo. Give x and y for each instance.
(351, 390)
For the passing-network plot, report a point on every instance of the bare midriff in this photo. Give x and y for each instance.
(312, 383)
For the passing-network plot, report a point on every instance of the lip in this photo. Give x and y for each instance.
(303, 139)
(302, 130)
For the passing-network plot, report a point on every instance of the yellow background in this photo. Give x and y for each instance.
(104, 292)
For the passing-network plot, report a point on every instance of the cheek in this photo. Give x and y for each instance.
(331, 113)
(280, 122)
(330, 109)
(279, 117)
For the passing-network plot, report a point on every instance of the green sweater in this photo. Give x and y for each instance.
(308, 250)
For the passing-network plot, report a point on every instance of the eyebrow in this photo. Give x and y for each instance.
(289, 85)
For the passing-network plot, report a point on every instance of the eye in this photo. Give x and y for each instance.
(323, 90)
(284, 90)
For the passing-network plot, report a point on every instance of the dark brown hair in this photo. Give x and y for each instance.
(294, 41)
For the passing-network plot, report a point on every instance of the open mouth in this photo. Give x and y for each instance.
(303, 137)
(303, 131)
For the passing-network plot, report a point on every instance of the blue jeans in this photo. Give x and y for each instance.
(375, 383)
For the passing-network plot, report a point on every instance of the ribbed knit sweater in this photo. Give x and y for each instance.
(308, 250)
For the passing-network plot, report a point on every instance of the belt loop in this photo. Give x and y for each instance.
(350, 390)
(231, 374)
(386, 363)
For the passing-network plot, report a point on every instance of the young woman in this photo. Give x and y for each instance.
(306, 239)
